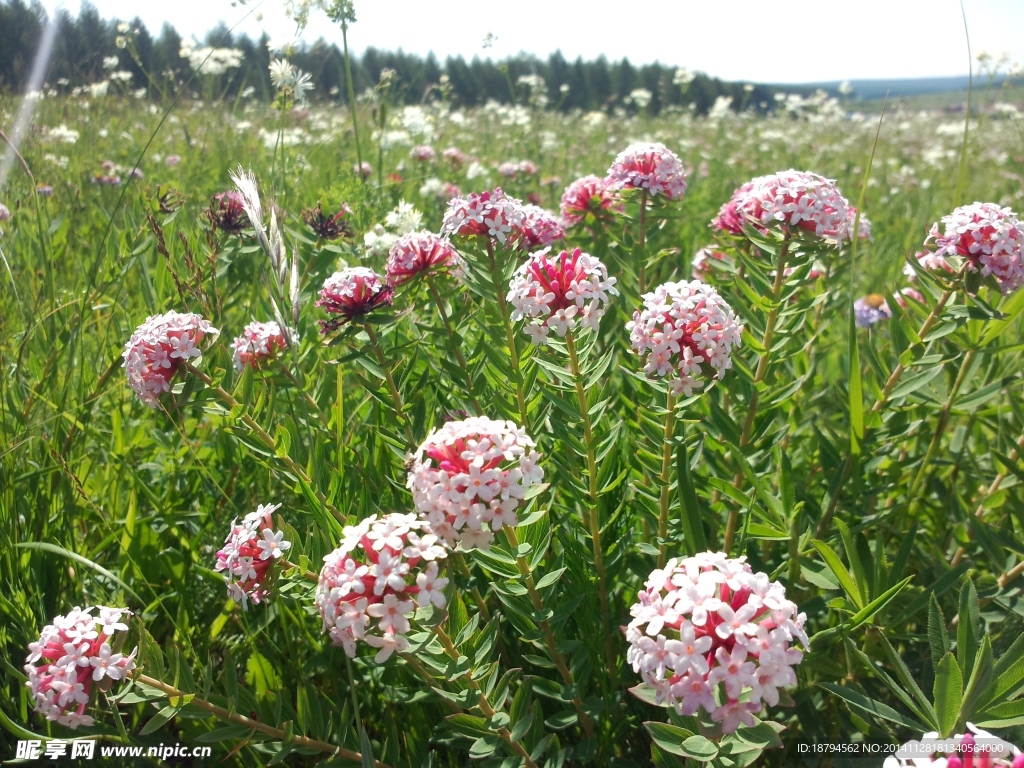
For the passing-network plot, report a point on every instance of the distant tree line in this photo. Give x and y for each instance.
(84, 42)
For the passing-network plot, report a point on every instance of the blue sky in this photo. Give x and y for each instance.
(755, 40)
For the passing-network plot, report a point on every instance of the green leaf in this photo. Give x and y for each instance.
(938, 639)
(158, 720)
(856, 388)
(859, 574)
(947, 693)
(669, 737)
(693, 528)
(978, 683)
(701, 749)
(550, 578)
(876, 605)
(968, 629)
(872, 707)
(836, 566)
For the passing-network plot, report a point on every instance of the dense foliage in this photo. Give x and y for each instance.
(869, 475)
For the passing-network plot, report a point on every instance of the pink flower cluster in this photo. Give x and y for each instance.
(513, 168)
(158, 347)
(469, 477)
(703, 263)
(371, 584)
(989, 237)
(538, 228)
(682, 327)
(790, 200)
(352, 293)
(974, 749)
(707, 629)
(249, 554)
(72, 656)
(551, 293)
(454, 156)
(416, 253)
(259, 342)
(588, 196)
(488, 214)
(653, 167)
(423, 153)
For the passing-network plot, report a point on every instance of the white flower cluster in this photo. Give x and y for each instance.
(652, 167)
(990, 238)
(249, 552)
(487, 214)
(71, 656)
(469, 477)
(682, 327)
(401, 221)
(371, 584)
(214, 61)
(158, 347)
(707, 631)
(551, 293)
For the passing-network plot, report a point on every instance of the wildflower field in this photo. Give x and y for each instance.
(511, 436)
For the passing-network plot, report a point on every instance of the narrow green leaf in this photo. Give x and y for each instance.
(847, 581)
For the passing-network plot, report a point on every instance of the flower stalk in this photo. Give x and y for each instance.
(269, 730)
(228, 399)
(456, 348)
(396, 397)
(759, 376)
(510, 337)
(666, 477)
(593, 515)
(549, 636)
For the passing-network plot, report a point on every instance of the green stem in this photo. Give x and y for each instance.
(265, 438)
(549, 636)
(351, 97)
(593, 516)
(666, 477)
(396, 398)
(310, 400)
(759, 376)
(510, 337)
(248, 722)
(456, 348)
(459, 560)
(642, 243)
(940, 428)
(486, 709)
(883, 398)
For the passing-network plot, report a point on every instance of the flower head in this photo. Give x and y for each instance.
(551, 293)
(870, 309)
(930, 262)
(988, 237)
(588, 196)
(227, 212)
(418, 252)
(158, 347)
(365, 169)
(423, 153)
(708, 623)
(702, 264)
(72, 656)
(538, 228)
(455, 156)
(488, 214)
(681, 328)
(352, 293)
(249, 553)
(371, 584)
(469, 477)
(652, 167)
(328, 226)
(258, 342)
(788, 200)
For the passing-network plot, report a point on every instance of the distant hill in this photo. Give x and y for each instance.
(868, 90)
